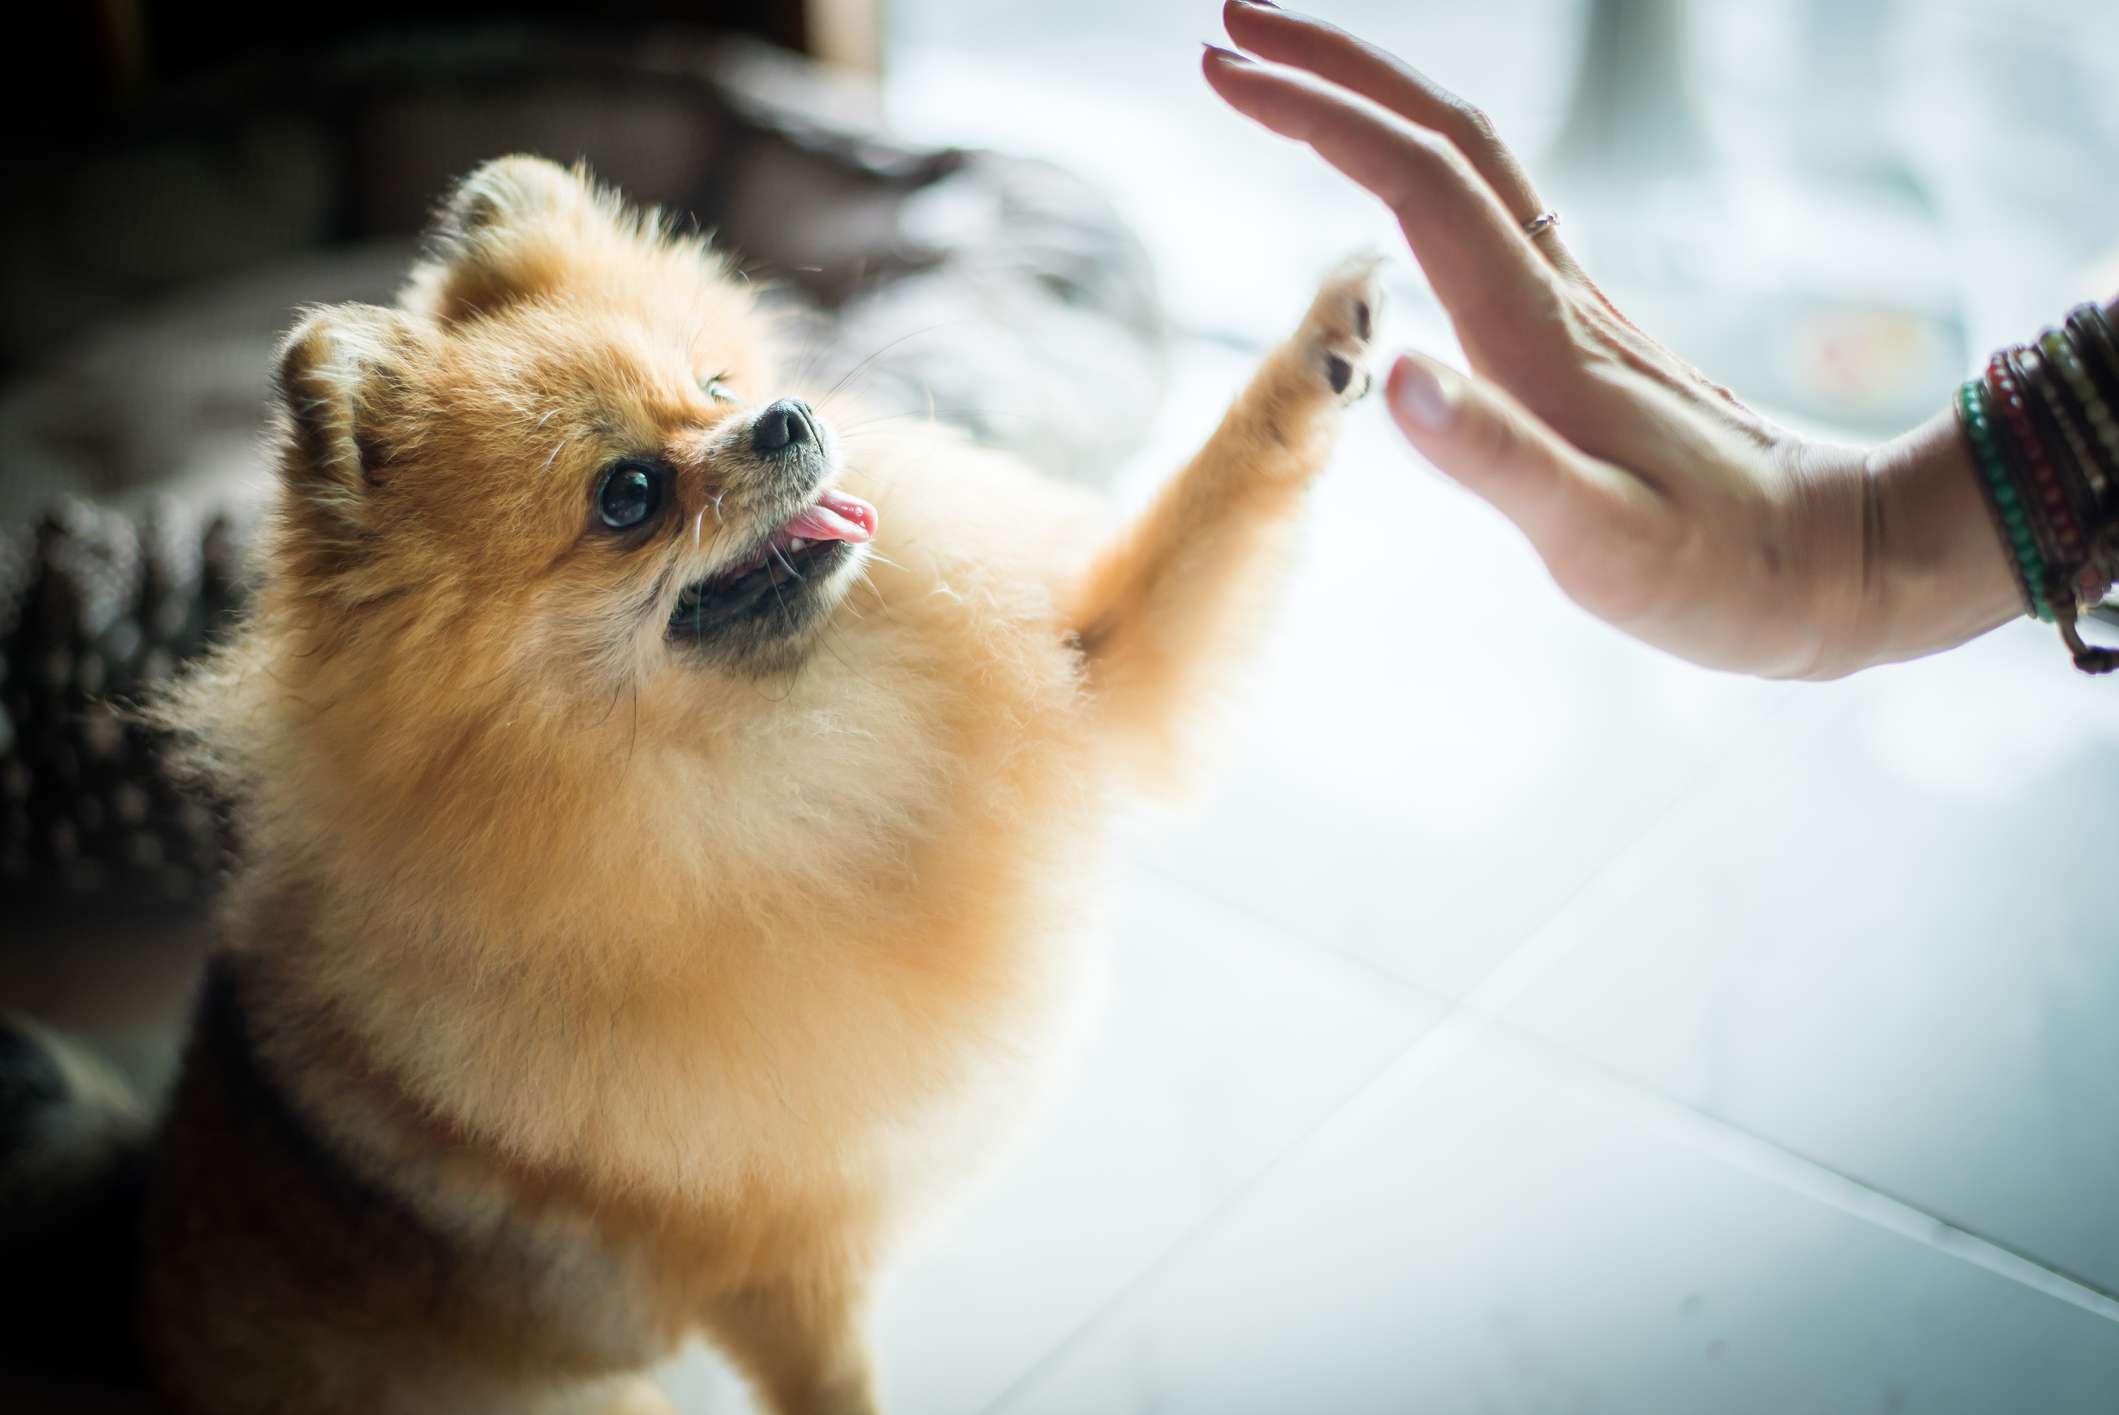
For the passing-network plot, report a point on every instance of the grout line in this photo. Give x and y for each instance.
(1468, 1025)
(1790, 737)
(1752, 1153)
(1646, 853)
(1480, 1013)
(1208, 1223)
(1476, 1018)
(1444, 1040)
(1352, 966)
(1647, 857)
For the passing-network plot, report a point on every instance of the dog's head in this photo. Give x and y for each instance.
(569, 443)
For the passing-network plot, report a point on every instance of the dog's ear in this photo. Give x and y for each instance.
(340, 385)
(501, 234)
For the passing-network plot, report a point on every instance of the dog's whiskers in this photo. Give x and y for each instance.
(862, 366)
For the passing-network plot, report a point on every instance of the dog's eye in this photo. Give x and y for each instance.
(717, 389)
(631, 493)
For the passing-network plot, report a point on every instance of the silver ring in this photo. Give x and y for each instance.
(1541, 223)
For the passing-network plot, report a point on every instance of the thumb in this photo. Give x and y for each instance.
(1498, 449)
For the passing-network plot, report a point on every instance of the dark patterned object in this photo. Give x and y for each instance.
(98, 608)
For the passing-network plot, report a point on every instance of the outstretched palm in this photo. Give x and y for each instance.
(1657, 500)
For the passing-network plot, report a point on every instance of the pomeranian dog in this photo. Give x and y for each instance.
(665, 822)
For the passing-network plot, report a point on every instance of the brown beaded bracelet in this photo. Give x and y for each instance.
(2070, 431)
(2055, 475)
(2031, 469)
(2094, 340)
(2093, 429)
(2043, 429)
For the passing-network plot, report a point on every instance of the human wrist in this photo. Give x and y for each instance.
(1936, 571)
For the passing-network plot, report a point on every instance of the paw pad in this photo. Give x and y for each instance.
(1338, 372)
(1341, 325)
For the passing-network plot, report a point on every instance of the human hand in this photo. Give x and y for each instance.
(1657, 500)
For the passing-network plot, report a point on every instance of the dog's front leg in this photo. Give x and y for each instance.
(802, 1343)
(1177, 590)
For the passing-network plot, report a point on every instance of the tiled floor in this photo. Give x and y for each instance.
(1890, 951)
(1495, 1235)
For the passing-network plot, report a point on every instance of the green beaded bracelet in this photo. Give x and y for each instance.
(2002, 498)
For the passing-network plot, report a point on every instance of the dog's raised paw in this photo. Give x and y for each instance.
(1340, 328)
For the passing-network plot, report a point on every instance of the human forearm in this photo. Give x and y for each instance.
(1937, 570)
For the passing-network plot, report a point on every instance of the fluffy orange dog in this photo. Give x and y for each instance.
(659, 873)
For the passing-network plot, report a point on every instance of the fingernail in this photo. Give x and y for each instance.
(1218, 52)
(1258, 4)
(1420, 395)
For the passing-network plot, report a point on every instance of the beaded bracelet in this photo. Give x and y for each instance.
(1997, 489)
(2060, 481)
(2039, 373)
(2094, 341)
(2036, 481)
(2043, 429)
(2089, 406)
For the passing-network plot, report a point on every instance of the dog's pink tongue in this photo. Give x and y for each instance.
(836, 516)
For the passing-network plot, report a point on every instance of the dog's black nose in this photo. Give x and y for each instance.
(785, 424)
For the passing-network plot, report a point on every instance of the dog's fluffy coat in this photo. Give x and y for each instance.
(584, 988)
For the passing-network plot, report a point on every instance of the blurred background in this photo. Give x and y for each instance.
(1515, 1020)
(1826, 202)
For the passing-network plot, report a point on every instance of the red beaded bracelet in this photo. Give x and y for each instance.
(2060, 482)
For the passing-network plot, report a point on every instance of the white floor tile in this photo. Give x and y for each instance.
(1894, 951)
(1488, 1234)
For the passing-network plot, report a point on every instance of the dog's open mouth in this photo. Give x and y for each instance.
(775, 577)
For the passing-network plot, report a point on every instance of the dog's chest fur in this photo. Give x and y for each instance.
(596, 1147)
